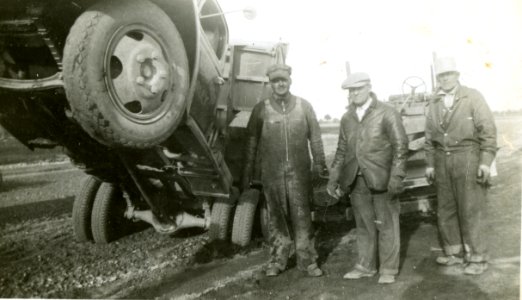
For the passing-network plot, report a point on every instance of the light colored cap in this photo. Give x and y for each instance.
(279, 71)
(354, 80)
(444, 65)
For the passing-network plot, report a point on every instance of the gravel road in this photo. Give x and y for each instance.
(39, 257)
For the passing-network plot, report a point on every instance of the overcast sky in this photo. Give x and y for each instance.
(391, 40)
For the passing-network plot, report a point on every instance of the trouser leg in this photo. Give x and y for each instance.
(302, 224)
(366, 231)
(447, 210)
(387, 210)
(279, 234)
(472, 205)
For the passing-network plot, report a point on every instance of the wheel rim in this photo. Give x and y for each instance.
(139, 74)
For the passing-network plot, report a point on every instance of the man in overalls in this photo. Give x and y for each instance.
(281, 132)
(461, 143)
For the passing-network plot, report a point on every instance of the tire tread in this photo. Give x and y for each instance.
(82, 208)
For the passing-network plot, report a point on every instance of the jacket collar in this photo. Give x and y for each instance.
(373, 98)
(460, 92)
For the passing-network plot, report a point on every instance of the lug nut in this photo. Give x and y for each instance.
(162, 75)
(140, 80)
(140, 58)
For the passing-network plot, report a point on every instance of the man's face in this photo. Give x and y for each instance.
(359, 95)
(448, 80)
(280, 86)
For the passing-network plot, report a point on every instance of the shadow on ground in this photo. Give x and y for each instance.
(439, 285)
(12, 185)
(47, 209)
(410, 223)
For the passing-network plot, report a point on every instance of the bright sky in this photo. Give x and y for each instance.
(390, 40)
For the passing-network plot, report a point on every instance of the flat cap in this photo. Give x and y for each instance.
(279, 71)
(354, 80)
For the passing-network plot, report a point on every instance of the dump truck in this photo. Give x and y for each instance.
(151, 100)
(144, 96)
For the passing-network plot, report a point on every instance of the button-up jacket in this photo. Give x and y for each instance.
(377, 147)
(468, 124)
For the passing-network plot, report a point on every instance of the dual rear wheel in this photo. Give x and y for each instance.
(99, 208)
(251, 212)
(98, 212)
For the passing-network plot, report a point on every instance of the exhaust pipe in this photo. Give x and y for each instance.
(182, 220)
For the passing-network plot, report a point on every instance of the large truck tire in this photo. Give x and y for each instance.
(244, 217)
(220, 218)
(126, 73)
(82, 208)
(107, 219)
(264, 219)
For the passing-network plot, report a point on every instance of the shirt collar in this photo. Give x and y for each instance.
(453, 92)
(365, 106)
(371, 103)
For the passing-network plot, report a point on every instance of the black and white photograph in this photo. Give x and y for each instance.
(260, 149)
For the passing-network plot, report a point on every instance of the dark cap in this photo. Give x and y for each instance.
(279, 71)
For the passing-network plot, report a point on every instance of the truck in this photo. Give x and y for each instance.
(146, 96)
(151, 100)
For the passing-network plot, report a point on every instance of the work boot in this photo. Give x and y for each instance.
(449, 260)
(314, 271)
(357, 274)
(475, 268)
(272, 271)
(386, 278)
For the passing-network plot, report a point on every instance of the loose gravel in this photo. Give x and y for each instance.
(40, 259)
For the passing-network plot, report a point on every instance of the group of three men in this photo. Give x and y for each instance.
(370, 165)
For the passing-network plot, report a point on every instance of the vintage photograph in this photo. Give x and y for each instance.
(276, 149)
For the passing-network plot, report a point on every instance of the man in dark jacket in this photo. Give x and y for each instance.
(461, 143)
(370, 164)
(280, 131)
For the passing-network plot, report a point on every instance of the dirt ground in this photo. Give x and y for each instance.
(40, 258)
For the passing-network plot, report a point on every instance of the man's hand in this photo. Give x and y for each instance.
(395, 185)
(333, 189)
(483, 174)
(430, 175)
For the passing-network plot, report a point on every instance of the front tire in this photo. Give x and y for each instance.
(244, 217)
(220, 219)
(264, 219)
